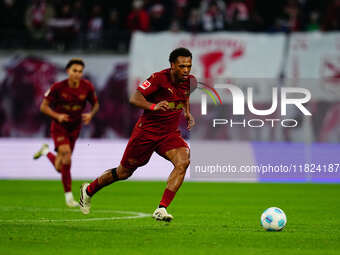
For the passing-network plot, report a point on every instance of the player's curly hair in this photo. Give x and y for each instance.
(183, 52)
(77, 61)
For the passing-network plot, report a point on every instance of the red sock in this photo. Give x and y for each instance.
(51, 157)
(168, 196)
(93, 187)
(66, 177)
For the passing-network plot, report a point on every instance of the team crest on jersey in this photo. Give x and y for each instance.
(145, 84)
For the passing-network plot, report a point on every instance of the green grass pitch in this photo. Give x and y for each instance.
(210, 218)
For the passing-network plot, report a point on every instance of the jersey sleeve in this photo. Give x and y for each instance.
(51, 94)
(193, 83)
(150, 85)
(92, 96)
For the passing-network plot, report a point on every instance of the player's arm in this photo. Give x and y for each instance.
(93, 100)
(148, 87)
(46, 109)
(190, 119)
(138, 100)
(187, 107)
(87, 117)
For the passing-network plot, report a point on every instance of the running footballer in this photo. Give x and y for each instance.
(65, 102)
(163, 96)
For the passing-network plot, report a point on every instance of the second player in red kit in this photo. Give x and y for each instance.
(163, 96)
(65, 102)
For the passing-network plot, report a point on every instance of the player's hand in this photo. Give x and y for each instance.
(86, 117)
(162, 106)
(191, 121)
(62, 117)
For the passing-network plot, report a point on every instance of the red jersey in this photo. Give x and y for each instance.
(159, 87)
(71, 101)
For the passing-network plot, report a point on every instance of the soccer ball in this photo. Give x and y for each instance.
(273, 219)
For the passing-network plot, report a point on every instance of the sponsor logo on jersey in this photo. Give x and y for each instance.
(145, 84)
(76, 107)
(176, 105)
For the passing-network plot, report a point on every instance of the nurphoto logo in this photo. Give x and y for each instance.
(288, 96)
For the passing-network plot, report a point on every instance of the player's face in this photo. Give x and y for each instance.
(182, 68)
(75, 72)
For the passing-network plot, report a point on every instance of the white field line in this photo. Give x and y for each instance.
(131, 215)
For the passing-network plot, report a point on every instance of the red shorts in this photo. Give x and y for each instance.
(62, 135)
(143, 143)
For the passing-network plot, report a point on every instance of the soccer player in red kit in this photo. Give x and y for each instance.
(64, 102)
(163, 96)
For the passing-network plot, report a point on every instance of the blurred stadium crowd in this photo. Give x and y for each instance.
(98, 24)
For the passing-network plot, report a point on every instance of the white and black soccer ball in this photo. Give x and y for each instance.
(273, 219)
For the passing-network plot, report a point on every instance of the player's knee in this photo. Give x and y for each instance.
(182, 164)
(135, 163)
(124, 173)
(124, 176)
(67, 161)
(58, 162)
(65, 157)
(58, 165)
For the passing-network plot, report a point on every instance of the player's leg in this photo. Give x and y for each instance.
(59, 135)
(108, 177)
(58, 162)
(122, 172)
(56, 132)
(180, 159)
(63, 162)
(137, 153)
(44, 151)
(176, 150)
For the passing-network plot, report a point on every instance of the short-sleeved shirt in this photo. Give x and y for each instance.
(71, 101)
(159, 87)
